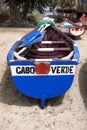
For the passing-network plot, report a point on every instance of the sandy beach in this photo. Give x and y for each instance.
(18, 112)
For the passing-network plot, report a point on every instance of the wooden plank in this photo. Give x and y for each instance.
(51, 49)
(51, 42)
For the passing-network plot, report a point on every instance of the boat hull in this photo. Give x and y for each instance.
(57, 82)
(76, 31)
(43, 86)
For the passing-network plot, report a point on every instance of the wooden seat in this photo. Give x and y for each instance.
(51, 42)
(52, 49)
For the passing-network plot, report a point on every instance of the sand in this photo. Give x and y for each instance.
(18, 112)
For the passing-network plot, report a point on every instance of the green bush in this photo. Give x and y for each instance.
(4, 12)
(32, 18)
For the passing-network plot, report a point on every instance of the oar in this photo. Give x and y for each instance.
(18, 57)
(36, 40)
(34, 37)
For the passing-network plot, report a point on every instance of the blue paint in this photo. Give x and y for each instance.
(33, 37)
(43, 86)
(67, 25)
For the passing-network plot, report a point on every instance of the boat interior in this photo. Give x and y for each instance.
(54, 45)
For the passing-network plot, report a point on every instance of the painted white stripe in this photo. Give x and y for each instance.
(50, 42)
(74, 60)
(75, 45)
(12, 60)
(54, 59)
(54, 70)
(43, 59)
(47, 42)
(45, 49)
(19, 39)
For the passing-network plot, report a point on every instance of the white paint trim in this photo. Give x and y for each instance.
(45, 49)
(43, 59)
(19, 38)
(56, 70)
(47, 42)
(75, 45)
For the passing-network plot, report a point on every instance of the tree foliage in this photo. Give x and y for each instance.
(26, 6)
(39, 5)
(68, 3)
(82, 6)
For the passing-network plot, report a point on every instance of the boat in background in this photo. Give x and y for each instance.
(72, 28)
(83, 19)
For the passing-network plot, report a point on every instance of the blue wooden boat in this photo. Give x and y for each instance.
(46, 68)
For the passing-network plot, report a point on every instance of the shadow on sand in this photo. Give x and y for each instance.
(10, 95)
(83, 83)
(73, 37)
(56, 101)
